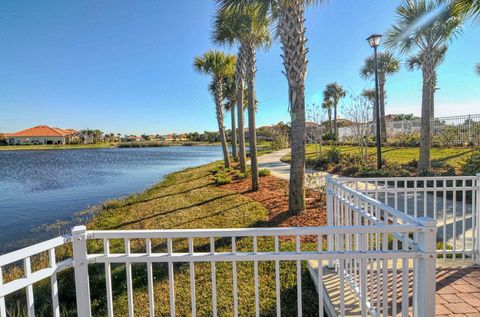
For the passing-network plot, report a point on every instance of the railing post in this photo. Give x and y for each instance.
(82, 288)
(476, 216)
(425, 270)
(330, 215)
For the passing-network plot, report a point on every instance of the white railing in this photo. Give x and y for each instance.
(454, 201)
(379, 239)
(223, 246)
(24, 258)
(384, 285)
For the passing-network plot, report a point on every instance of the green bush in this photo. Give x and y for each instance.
(334, 154)
(215, 170)
(472, 165)
(404, 139)
(241, 175)
(222, 179)
(264, 172)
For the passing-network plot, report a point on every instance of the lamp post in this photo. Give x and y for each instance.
(374, 41)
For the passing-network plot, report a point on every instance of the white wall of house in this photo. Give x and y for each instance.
(36, 140)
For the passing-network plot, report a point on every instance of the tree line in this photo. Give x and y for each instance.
(249, 25)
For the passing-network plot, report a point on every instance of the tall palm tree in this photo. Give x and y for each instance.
(252, 31)
(477, 68)
(230, 103)
(328, 104)
(415, 62)
(335, 92)
(219, 66)
(290, 27)
(387, 65)
(425, 40)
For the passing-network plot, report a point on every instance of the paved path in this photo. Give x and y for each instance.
(279, 169)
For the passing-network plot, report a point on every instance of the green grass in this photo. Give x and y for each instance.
(56, 147)
(190, 199)
(454, 156)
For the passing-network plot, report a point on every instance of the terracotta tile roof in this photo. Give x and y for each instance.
(40, 131)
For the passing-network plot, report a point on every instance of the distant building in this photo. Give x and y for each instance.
(42, 134)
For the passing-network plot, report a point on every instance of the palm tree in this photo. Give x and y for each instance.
(251, 30)
(230, 103)
(464, 8)
(290, 20)
(369, 94)
(426, 40)
(335, 92)
(387, 65)
(415, 62)
(219, 66)
(224, 33)
(328, 104)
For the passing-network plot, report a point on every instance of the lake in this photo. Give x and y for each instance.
(39, 187)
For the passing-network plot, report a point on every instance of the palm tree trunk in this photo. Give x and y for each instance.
(335, 126)
(252, 134)
(240, 86)
(330, 128)
(220, 121)
(425, 134)
(291, 28)
(234, 131)
(383, 122)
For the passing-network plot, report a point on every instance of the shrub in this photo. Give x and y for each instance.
(241, 175)
(222, 179)
(334, 155)
(264, 172)
(405, 139)
(215, 170)
(472, 165)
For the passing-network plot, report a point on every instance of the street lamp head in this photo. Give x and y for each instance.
(374, 40)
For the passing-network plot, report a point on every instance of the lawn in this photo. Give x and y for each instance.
(189, 199)
(454, 156)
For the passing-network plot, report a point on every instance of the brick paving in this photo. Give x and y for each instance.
(458, 291)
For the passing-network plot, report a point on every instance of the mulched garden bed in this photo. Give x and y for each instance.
(273, 194)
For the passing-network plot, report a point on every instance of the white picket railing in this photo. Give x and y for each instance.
(384, 285)
(379, 239)
(454, 201)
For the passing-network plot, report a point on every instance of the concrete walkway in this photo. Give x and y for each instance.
(272, 161)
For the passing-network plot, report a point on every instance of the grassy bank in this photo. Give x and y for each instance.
(190, 199)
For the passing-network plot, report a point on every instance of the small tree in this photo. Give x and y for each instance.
(280, 136)
(316, 116)
(359, 111)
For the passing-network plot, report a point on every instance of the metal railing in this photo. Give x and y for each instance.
(384, 285)
(343, 254)
(447, 131)
(380, 238)
(454, 201)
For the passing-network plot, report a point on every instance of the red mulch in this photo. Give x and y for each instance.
(273, 194)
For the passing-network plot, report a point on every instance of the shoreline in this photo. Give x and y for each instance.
(101, 146)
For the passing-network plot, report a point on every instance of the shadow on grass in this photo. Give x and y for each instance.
(160, 214)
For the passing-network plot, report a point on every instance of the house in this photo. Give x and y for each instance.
(41, 134)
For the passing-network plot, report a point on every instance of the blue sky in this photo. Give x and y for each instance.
(126, 66)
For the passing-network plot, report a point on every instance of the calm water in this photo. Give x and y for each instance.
(45, 187)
